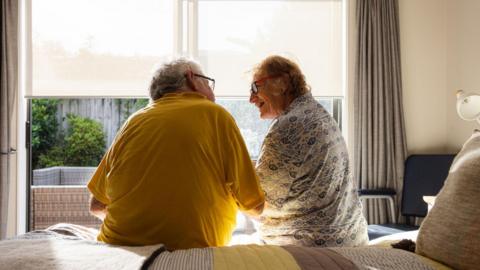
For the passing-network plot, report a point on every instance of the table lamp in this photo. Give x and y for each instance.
(468, 105)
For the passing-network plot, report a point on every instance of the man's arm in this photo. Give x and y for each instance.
(97, 208)
(241, 178)
(257, 211)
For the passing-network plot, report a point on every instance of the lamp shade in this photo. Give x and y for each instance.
(468, 105)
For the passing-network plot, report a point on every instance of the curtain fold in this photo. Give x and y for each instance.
(380, 142)
(8, 97)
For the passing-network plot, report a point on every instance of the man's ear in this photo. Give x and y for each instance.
(190, 83)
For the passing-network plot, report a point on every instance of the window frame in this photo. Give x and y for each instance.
(190, 38)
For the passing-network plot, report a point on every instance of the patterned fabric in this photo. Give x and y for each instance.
(319, 258)
(195, 258)
(383, 258)
(68, 246)
(305, 172)
(246, 257)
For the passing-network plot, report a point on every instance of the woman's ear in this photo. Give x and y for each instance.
(282, 84)
(276, 87)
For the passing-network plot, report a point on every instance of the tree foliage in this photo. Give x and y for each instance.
(82, 145)
(44, 127)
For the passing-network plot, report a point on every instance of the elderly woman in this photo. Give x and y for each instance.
(303, 165)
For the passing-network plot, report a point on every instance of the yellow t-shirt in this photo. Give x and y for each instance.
(175, 174)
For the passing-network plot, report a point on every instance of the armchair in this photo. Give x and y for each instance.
(424, 175)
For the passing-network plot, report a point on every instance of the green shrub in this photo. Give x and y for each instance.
(84, 143)
(54, 157)
(44, 127)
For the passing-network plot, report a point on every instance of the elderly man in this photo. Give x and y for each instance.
(178, 169)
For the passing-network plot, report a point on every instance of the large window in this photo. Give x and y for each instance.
(92, 62)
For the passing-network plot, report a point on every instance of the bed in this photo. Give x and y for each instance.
(67, 246)
(449, 234)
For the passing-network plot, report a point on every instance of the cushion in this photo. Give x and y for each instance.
(451, 231)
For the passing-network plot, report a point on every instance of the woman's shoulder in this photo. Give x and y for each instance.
(304, 108)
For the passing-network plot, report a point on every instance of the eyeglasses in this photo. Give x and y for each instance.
(254, 86)
(211, 82)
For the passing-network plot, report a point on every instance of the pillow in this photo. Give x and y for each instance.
(451, 231)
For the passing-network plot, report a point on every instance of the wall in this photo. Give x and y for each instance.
(424, 69)
(463, 65)
(439, 43)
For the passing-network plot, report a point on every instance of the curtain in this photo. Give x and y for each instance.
(380, 143)
(8, 96)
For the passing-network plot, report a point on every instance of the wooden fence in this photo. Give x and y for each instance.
(111, 113)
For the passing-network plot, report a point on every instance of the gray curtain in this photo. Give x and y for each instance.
(8, 95)
(380, 143)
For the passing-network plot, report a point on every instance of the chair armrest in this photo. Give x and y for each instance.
(60, 204)
(381, 193)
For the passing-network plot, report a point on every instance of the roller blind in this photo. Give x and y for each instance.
(236, 35)
(109, 48)
(88, 48)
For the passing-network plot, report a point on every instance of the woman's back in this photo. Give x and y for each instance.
(305, 172)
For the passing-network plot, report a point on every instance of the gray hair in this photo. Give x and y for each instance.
(171, 76)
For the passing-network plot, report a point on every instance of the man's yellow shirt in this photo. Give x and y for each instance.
(176, 174)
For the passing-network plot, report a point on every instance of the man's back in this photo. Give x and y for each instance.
(170, 175)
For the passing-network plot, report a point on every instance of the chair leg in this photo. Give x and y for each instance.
(392, 210)
(391, 203)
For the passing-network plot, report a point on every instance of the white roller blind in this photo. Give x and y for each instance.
(109, 48)
(235, 35)
(88, 48)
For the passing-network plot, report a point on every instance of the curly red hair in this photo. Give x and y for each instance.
(276, 65)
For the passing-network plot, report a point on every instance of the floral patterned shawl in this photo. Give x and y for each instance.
(305, 172)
